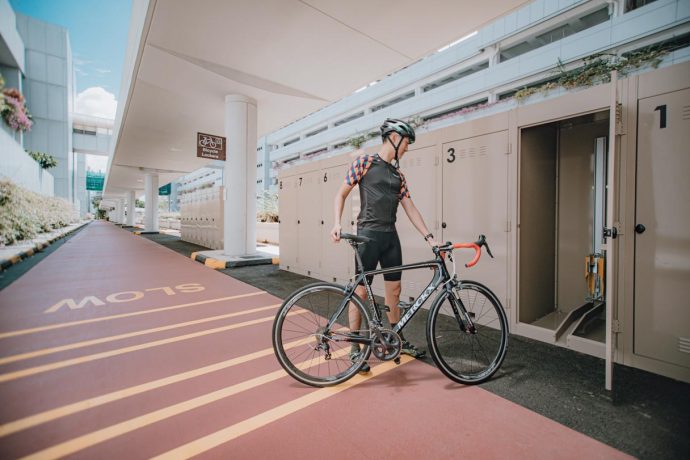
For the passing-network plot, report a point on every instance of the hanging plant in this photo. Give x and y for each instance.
(597, 69)
(45, 160)
(13, 110)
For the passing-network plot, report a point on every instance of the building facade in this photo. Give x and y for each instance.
(48, 86)
(481, 73)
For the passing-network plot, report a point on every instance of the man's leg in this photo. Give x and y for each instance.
(392, 300)
(355, 319)
(353, 313)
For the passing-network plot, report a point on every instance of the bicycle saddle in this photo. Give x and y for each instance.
(355, 238)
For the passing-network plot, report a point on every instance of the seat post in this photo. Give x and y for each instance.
(358, 259)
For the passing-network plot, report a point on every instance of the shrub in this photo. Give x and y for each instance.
(45, 160)
(25, 214)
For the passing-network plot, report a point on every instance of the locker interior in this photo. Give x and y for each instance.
(562, 206)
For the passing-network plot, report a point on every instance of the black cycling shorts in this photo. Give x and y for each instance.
(384, 249)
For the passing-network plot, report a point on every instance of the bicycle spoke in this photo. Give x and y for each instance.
(327, 361)
(468, 356)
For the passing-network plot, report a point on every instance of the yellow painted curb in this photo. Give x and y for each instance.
(214, 263)
(275, 261)
(193, 256)
(137, 233)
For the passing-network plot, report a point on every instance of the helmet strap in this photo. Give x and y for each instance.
(396, 147)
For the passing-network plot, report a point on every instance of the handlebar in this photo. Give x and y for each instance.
(477, 246)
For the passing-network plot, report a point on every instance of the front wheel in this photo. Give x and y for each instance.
(467, 355)
(307, 348)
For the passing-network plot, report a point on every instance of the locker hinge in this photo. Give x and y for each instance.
(616, 327)
(509, 225)
(436, 161)
(508, 303)
(510, 148)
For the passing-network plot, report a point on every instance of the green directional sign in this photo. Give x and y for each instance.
(94, 181)
(164, 190)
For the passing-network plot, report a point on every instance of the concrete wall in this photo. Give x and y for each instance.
(20, 168)
(11, 44)
(48, 91)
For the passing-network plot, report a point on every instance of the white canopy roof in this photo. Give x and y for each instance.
(292, 56)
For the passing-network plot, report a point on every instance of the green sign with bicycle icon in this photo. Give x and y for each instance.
(210, 146)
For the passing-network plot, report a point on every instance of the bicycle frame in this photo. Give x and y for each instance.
(441, 277)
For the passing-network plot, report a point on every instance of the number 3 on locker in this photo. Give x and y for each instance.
(451, 155)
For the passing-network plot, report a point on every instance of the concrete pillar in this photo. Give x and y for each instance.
(121, 205)
(239, 176)
(131, 200)
(151, 210)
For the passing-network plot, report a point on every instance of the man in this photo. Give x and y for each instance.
(381, 187)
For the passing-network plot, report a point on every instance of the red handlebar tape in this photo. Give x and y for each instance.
(477, 252)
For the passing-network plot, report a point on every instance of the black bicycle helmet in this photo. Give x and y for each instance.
(398, 126)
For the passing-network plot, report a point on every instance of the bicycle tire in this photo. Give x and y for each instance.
(297, 342)
(454, 350)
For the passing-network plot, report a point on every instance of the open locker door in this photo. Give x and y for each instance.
(612, 225)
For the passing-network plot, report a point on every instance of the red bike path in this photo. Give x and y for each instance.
(116, 347)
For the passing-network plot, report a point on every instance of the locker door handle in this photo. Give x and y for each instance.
(443, 225)
(321, 222)
(639, 228)
(298, 221)
(352, 222)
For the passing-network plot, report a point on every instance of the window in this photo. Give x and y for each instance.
(635, 4)
(390, 102)
(348, 119)
(455, 76)
(557, 33)
(317, 131)
(88, 132)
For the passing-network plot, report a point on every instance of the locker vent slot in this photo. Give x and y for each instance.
(483, 150)
(684, 344)
(686, 112)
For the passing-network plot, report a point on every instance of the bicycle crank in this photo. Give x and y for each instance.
(386, 344)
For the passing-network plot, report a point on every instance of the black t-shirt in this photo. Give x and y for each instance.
(381, 187)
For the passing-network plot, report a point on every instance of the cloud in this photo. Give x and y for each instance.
(97, 102)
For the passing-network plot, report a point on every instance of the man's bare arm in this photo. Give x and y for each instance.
(338, 205)
(416, 218)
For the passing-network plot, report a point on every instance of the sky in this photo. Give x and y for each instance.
(98, 31)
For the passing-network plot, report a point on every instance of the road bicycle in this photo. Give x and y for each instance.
(467, 329)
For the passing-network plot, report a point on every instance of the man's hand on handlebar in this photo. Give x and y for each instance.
(432, 242)
(335, 233)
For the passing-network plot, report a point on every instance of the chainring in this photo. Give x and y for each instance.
(390, 349)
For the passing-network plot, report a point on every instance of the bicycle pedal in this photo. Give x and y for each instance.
(397, 360)
(385, 308)
(405, 305)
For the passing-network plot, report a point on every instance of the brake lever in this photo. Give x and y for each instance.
(488, 250)
(482, 242)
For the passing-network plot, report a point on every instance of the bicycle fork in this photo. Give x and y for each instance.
(462, 316)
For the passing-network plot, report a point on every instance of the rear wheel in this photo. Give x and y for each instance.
(305, 348)
(464, 355)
